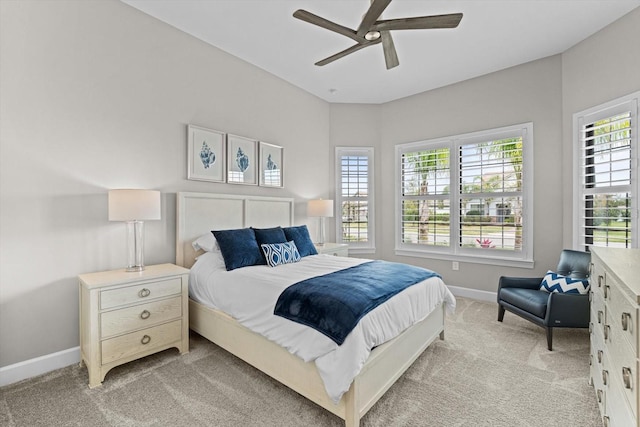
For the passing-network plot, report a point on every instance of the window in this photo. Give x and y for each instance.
(467, 197)
(354, 194)
(606, 193)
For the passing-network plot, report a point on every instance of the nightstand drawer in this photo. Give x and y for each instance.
(144, 340)
(140, 292)
(139, 316)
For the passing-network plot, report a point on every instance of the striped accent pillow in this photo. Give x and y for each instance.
(554, 282)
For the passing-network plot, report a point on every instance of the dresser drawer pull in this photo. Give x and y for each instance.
(605, 421)
(144, 292)
(600, 279)
(145, 314)
(606, 329)
(145, 340)
(607, 288)
(600, 314)
(626, 324)
(599, 396)
(626, 377)
(600, 353)
(605, 376)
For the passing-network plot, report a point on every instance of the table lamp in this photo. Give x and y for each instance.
(322, 209)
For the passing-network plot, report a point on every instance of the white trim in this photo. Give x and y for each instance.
(473, 294)
(38, 365)
(369, 152)
(593, 114)
(454, 252)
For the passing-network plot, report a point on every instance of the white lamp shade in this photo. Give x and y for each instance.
(132, 205)
(321, 208)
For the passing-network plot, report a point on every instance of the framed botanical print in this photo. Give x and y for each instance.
(242, 160)
(271, 165)
(206, 154)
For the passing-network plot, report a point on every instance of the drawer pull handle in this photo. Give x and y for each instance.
(600, 314)
(600, 279)
(606, 330)
(600, 356)
(145, 340)
(626, 324)
(605, 421)
(605, 376)
(144, 292)
(607, 288)
(626, 377)
(145, 314)
(599, 396)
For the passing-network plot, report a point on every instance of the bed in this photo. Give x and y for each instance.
(198, 213)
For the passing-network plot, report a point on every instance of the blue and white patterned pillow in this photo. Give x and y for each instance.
(554, 282)
(280, 253)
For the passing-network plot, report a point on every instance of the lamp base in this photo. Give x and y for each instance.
(134, 269)
(135, 246)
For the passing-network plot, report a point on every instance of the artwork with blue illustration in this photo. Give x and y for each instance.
(207, 156)
(271, 165)
(242, 164)
(205, 149)
(242, 160)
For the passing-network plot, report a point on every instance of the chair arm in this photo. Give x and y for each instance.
(568, 310)
(519, 282)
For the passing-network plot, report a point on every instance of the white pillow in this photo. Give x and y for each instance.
(213, 260)
(206, 242)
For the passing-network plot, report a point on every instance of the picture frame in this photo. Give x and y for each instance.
(205, 154)
(242, 160)
(271, 165)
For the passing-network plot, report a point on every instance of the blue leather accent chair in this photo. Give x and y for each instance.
(522, 296)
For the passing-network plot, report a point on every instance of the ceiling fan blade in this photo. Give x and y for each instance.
(372, 15)
(419, 23)
(325, 23)
(346, 52)
(390, 55)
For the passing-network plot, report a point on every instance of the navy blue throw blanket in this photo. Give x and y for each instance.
(334, 303)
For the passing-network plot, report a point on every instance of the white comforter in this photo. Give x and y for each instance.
(249, 295)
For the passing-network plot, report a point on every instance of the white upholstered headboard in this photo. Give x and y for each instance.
(199, 213)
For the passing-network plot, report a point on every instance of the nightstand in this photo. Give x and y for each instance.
(125, 316)
(336, 249)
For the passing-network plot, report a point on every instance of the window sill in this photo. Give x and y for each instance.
(505, 262)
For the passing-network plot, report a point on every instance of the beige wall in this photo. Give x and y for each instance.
(97, 95)
(528, 93)
(601, 68)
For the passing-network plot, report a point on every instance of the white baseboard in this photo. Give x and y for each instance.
(473, 293)
(39, 365)
(50, 362)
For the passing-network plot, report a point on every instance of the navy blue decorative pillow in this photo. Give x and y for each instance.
(269, 235)
(554, 282)
(239, 248)
(280, 253)
(300, 235)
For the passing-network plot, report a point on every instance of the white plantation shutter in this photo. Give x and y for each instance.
(607, 163)
(354, 198)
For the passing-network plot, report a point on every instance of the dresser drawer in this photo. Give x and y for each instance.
(139, 341)
(139, 316)
(623, 315)
(140, 292)
(617, 408)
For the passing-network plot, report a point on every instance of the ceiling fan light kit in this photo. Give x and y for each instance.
(373, 30)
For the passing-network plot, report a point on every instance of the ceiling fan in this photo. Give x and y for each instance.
(373, 30)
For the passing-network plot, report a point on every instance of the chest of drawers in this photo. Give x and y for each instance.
(615, 299)
(125, 316)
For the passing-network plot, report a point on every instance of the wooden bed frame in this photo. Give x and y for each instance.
(198, 213)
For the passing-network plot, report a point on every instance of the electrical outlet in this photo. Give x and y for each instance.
(455, 266)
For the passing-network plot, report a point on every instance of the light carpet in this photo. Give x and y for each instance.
(484, 373)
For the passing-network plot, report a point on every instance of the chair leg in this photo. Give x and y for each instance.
(549, 337)
(500, 313)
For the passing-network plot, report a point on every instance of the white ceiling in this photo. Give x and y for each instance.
(493, 35)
